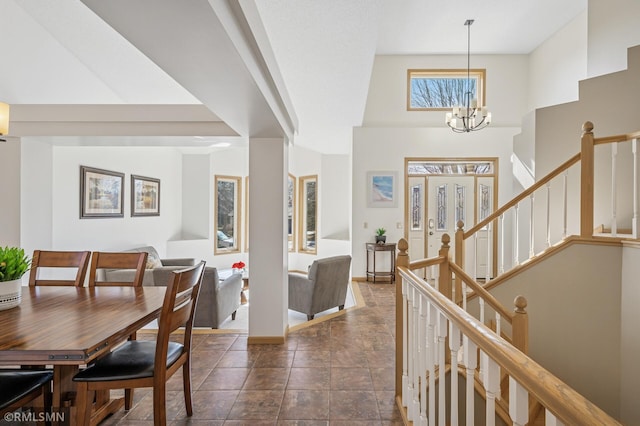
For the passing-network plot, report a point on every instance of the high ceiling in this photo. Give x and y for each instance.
(65, 52)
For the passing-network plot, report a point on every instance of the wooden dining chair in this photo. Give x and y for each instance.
(43, 259)
(21, 387)
(119, 269)
(137, 363)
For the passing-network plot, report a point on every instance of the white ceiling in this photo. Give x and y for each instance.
(63, 53)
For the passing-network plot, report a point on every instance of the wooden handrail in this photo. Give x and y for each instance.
(488, 297)
(616, 138)
(565, 403)
(527, 192)
(423, 263)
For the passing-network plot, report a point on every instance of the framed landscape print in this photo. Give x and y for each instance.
(145, 196)
(381, 189)
(101, 193)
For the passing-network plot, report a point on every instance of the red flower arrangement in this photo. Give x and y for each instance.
(238, 265)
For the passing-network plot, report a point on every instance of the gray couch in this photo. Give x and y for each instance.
(217, 300)
(324, 287)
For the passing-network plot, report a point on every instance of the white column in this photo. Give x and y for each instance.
(268, 259)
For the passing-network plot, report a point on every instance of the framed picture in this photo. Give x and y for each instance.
(101, 193)
(381, 189)
(145, 196)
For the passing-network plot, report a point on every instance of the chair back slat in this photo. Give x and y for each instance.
(178, 308)
(59, 259)
(136, 261)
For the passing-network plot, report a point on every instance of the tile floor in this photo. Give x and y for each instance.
(336, 372)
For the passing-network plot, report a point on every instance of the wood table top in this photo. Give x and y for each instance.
(74, 325)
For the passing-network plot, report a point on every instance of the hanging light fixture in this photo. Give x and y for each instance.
(468, 117)
(4, 120)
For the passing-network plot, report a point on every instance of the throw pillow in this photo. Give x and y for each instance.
(153, 261)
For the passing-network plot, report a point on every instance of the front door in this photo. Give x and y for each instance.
(450, 199)
(417, 222)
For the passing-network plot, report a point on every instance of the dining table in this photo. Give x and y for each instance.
(65, 328)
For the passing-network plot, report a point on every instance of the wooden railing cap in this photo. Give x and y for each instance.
(520, 302)
(446, 239)
(587, 127)
(403, 245)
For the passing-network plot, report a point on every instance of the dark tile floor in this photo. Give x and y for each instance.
(337, 372)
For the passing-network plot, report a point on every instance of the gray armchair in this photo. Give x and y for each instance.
(324, 287)
(218, 299)
(156, 267)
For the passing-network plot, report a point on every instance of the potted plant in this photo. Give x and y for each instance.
(13, 265)
(381, 238)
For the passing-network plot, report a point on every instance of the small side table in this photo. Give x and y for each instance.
(372, 250)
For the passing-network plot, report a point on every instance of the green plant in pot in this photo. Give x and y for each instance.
(13, 265)
(381, 238)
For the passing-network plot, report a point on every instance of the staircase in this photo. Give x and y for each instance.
(442, 318)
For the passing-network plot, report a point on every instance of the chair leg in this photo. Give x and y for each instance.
(84, 400)
(39, 404)
(186, 387)
(341, 307)
(309, 317)
(128, 399)
(233, 315)
(159, 404)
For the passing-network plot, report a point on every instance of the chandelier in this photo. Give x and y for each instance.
(468, 117)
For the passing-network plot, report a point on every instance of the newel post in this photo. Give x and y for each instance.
(520, 325)
(459, 259)
(444, 281)
(401, 260)
(586, 180)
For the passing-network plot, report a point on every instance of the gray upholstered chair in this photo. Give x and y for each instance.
(218, 299)
(324, 287)
(155, 267)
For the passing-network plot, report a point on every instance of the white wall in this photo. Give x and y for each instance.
(36, 229)
(335, 177)
(334, 202)
(613, 27)
(199, 171)
(387, 100)
(10, 193)
(384, 149)
(390, 133)
(556, 66)
(197, 188)
(69, 232)
(629, 337)
(574, 319)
